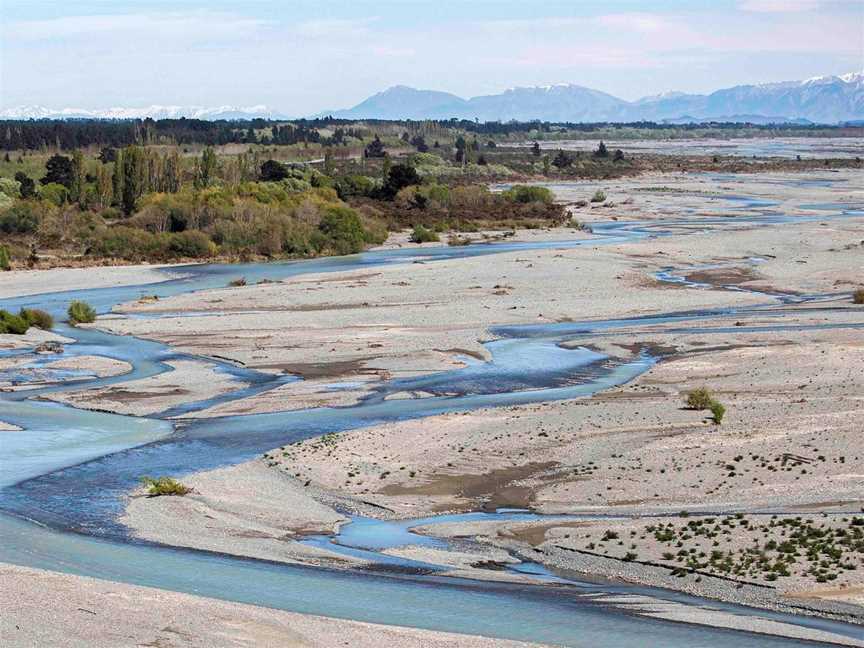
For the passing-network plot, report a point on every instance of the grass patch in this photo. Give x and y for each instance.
(11, 323)
(37, 317)
(81, 312)
(700, 399)
(164, 486)
(422, 234)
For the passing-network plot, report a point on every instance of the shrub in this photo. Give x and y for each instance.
(857, 296)
(38, 318)
(19, 219)
(423, 235)
(717, 411)
(699, 399)
(13, 324)
(525, 194)
(5, 263)
(164, 486)
(81, 313)
(599, 196)
(343, 230)
(191, 243)
(238, 282)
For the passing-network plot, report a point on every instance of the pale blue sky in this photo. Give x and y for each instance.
(303, 56)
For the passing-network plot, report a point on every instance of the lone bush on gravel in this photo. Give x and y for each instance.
(858, 296)
(164, 486)
(699, 399)
(81, 313)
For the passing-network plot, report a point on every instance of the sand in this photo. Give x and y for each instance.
(18, 283)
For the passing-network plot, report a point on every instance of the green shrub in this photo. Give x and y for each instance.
(10, 187)
(5, 262)
(343, 230)
(38, 318)
(81, 313)
(526, 194)
(191, 243)
(19, 219)
(699, 399)
(164, 486)
(717, 411)
(422, 234)
(13, 324)
(858, 296)
(599, 196)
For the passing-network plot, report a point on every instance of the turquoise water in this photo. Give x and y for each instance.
(64, 478)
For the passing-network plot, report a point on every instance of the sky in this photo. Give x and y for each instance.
(304, 56)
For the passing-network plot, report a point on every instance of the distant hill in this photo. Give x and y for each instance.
(824, 100)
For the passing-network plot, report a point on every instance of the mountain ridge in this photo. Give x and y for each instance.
(828, 99)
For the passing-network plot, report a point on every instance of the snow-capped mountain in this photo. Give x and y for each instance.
(154, 112)
(824, 99)
(828, 99)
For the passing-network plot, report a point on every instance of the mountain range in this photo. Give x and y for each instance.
(824, 100)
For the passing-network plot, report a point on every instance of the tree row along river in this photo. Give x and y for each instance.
(64, 477)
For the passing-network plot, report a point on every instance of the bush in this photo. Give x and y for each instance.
(164, 486)
(13, 324)
(19, 219)
(343, 230)
(525, 194)
(857, 296)
(238, 282)
(699, 399)
(191, 243)
(599, 196)
(5, 262)
(717, 411)
(423, 235)
(38, 318)
(81, 313)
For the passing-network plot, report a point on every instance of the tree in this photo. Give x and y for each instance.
(171, 173)
(535, 149)
(133, 178)
(272, 171)
(76, 191)
(419, 143)
(400, 175)
(375, 149)
(59, 170)
(117, 178)
(562, 160)
(601, 151)
(205, 169)
(107, 155)
(28, 187)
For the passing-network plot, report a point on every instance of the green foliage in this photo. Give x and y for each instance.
(9, 187)
(858, 296)
(80, 312)
(272, 171)
(599, 196)
(717, 411)
(26, 185)
(422, 234)
(529, 194)
(399, 176)
(699, 399)
(59, 170)
(21, 218)
(13, 324)
(343, 230)
(206, 169)
(159, 486)
(38, 318)
(5, 262)
(191, 243)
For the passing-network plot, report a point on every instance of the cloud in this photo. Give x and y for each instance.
(778, 6)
